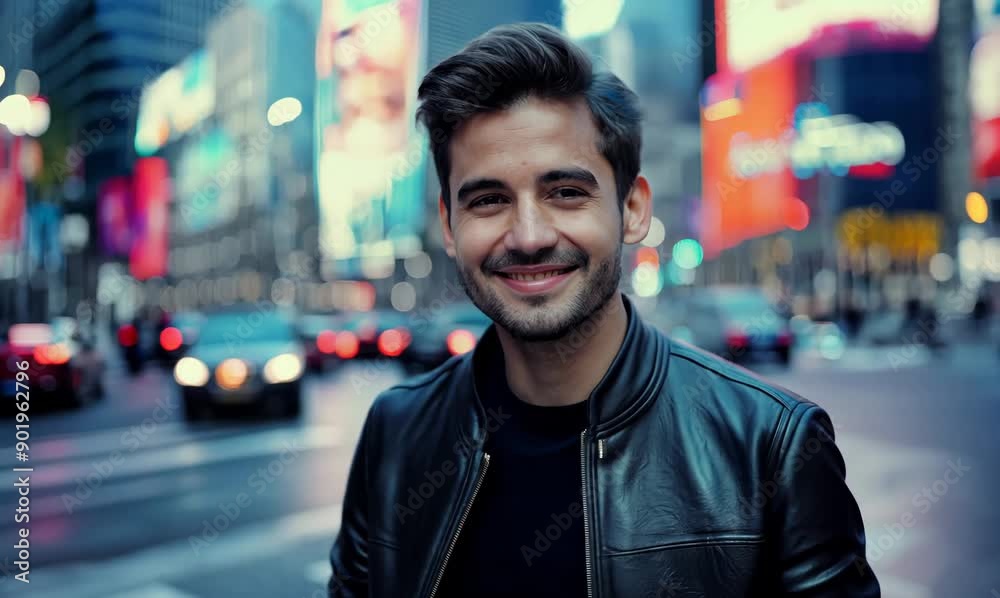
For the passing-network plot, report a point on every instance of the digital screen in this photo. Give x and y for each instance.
(114, 213)
(759, 30)
(370, 155)
(148, 255)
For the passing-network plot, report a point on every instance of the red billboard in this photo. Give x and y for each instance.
(11, 191)
(747, 192)
(984, 96)
(151, 186)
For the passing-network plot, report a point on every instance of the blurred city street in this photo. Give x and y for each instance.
(220, 239)
(162, 518)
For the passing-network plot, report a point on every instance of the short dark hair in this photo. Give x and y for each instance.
(510, 63)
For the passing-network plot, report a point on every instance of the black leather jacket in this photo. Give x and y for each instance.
(699, 479)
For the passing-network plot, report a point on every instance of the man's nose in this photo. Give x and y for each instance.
(530, 229)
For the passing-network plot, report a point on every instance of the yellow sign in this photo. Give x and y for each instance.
(906, 235)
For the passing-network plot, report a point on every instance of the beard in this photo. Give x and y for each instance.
(546, 318)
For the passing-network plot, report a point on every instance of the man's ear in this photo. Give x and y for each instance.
(449, 239)
(637, 211)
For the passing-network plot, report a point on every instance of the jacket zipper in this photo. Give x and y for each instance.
(461, 522)
(586, 518)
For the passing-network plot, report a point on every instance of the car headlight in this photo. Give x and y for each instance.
(191, 372)
(283, 368)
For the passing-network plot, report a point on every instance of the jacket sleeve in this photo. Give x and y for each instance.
(349, 555)
(820, 537)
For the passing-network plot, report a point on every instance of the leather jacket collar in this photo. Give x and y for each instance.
(632, 381)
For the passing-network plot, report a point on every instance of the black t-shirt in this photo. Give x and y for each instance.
(524, 536)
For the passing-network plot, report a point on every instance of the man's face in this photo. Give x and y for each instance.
(535, 228)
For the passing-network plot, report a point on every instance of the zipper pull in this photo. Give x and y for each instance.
(600, 448)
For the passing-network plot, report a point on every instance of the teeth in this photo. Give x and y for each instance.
(535, 276)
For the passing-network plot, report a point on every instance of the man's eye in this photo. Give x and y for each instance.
(568, 193)
(487, 200)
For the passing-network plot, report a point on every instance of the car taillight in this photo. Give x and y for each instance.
(737, 340)
(784, 339)
(326, 342)
(461, 341)
(346, 345)
(128, 336)
(51, 354)
(171, 338)
(391, 343)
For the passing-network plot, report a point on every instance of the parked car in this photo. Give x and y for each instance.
(738, 323)
(63, 367)
(453, 332)
(243, 358)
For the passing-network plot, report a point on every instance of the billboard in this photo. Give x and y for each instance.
(758, 30)
(177, 100)
(984, 96)
(114, 216)
(910, 142)
(148, 254)
(205, 192)
(12, 193)
(371, 158)
(748, 188)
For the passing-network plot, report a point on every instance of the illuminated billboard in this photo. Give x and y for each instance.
(12, 192)
(748, 124)
(177, 100)
(759, 30)
(205, 194)
(371, 158)
(114, 216)
(148, 255)
(984, 96)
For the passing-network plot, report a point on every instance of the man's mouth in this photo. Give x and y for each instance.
(535, 276)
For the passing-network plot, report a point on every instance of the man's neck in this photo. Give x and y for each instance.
(565, 371)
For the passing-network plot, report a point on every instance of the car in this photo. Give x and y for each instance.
(453, 331)
(738, 323)
(383, 333)
(136, 343)
(243, 358)
(63, 367)
(318, 332)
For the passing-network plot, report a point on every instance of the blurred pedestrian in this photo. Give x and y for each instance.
(577, 451)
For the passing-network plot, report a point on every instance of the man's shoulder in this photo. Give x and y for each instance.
(418, 394)
(697, 375)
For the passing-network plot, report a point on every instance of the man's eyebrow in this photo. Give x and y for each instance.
(470, 187)
(580, 175)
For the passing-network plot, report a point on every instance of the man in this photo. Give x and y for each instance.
(577, 451)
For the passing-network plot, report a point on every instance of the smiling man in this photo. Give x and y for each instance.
(577, 451)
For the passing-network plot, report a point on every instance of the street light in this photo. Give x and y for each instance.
(977, 208)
